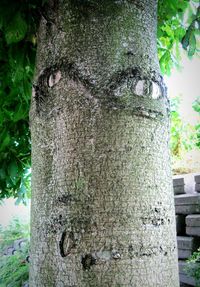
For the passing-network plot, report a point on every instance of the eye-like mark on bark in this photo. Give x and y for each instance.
(41, 89)
(87, 261)
(51, 76)
(66, 243)
(118, 92)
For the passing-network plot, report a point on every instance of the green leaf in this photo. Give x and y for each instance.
(185, 40)
(13, 169)
(192, 47)
(16, 29)
(179, 33)
(20, 113)
(22, 189)
(2, 173)
(5, 141)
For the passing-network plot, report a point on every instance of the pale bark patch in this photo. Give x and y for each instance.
(54, 78)
(139, 89)
(156, 91)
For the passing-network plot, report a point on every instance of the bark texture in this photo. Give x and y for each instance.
(102, 200)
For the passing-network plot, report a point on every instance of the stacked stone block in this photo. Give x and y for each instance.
(187, 204)
(187, 208)
(186, 246)
(179, 185)
(197, 183)
(193, 225)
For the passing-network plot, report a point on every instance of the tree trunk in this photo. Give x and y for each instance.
(102, 200)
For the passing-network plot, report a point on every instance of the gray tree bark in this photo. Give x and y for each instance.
(102, 200)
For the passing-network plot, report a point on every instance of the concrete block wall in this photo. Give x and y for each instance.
(187, 207)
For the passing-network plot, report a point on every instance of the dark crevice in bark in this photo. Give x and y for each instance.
(49, 12)
(61, 244)
(66, 199)
(67, 243)
(87, 261)
(147, 113)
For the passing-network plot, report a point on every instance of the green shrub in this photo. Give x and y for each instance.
(14, 268)
(193, 267)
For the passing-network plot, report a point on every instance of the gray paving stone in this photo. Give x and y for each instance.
(195, 231)
(179, 190)
(193, 220)
(178, 181)
(180, 224)
(187, 209)
(18, 242)
(197, 178)
(186, 279)
(181, 266)
(184, 253)
(185, 285)
(197, 187)
(9, 251)
(186, 242)
(187, 199)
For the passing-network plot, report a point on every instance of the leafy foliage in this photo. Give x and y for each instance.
(15, 230)
(14, 268)
(178, 22)
(18, 24)
(183, 136)
(193, 267)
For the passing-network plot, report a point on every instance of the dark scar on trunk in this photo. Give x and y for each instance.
(87, 261)
(61, 244)
(71, 243)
